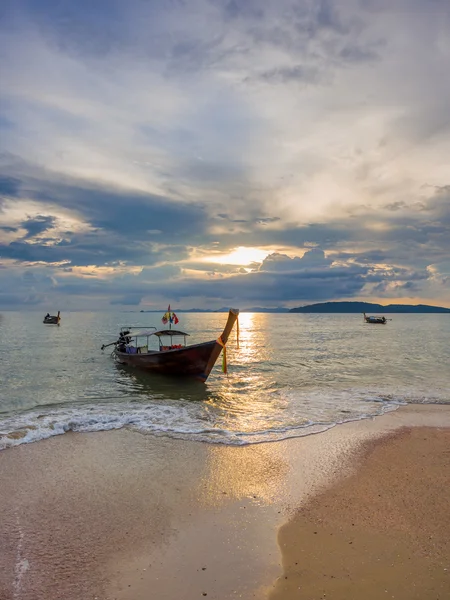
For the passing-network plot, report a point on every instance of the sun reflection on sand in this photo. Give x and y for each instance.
(254, 472)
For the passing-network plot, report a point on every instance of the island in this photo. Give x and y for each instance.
(368, 307)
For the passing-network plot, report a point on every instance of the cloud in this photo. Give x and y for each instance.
(152, 135)
(314, 258)
(38, 225)
(280, 287)
(9, 186)
(128, 300)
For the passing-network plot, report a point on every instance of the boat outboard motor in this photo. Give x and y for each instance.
(123, 341)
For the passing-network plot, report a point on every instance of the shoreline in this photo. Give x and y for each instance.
(114, 514)
(26, 434)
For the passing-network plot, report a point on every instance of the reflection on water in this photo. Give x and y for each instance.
(157, 385)
(291, 375)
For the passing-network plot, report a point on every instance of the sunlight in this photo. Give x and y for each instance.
(246, 334)
(240, 256)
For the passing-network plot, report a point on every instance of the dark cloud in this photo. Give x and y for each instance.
(421, 235)
(280, 279)
(314, 277)
(356, 54)
(9, 186)
(9, 300)
(267, 220)
(325, 235)
(389, 260)
(212, 267)
(81, 27)
(297, 73)
(134, 228)
(126, 212)
(400, 290)
(394, 206)
(327, 17)
(128, 300)
(137, 229)
(234, 9)
(97, 249)
(37, 225)
(274, 287)
(281, 263)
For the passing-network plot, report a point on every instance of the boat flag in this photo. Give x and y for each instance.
(169, 317)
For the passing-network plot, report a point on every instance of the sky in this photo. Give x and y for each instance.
(213, 153)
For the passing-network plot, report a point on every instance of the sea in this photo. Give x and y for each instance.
(290, 375)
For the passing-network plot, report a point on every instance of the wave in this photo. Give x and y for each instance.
(191, 421)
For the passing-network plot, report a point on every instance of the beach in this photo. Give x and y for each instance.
(358, 511)
(383, 532)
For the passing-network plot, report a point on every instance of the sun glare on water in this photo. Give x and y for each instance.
(240, 256)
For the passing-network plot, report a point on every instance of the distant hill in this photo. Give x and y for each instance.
(259, 309)
(256, 309)
(368, 307)
(185, 310)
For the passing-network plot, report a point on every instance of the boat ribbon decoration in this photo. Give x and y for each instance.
(224, 360)
(224, 354)
(170, 317)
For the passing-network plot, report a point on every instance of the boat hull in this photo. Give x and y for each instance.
(191, 361)
(52, 319)
(374, 320)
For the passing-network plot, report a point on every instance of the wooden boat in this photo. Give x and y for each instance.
(173, 357)
(375, 320)
(52, 320)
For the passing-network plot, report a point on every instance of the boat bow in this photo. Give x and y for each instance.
(220, 343)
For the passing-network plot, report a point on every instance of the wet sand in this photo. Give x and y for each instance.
(119, 515)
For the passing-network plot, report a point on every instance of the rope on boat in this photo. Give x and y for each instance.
(224, 354)
(224, 360)
(224, 347)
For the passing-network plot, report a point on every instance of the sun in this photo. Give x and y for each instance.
(240, 256)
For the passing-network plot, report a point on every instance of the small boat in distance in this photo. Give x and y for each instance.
(375, 320)
(173, 357)
(52, 320)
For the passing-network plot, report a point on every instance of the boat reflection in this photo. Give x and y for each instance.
(163, 387)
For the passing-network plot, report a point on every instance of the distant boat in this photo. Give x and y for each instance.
(173, 357)
(52, 320)
(374, 320)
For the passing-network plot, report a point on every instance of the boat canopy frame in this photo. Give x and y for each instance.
(128, 336)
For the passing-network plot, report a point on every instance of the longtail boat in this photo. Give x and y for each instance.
(173, 356)
(52, 319)
(374, 320)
